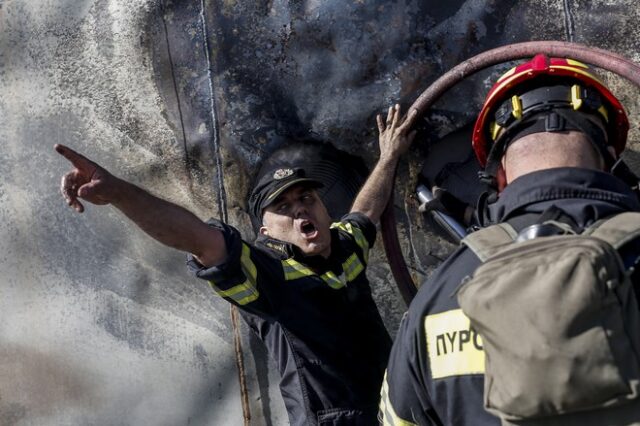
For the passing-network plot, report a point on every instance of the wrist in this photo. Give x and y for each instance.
(120, 191)
(389, 158)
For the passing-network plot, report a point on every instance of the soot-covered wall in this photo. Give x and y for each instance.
(101, 325)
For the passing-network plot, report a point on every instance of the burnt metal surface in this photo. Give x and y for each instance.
(99, 324)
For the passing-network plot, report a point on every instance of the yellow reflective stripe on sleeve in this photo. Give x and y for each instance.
(248, 267)
(352, 267)
(357, 234)
(454, 347)
(241, 293)
(387, 413)
(247, 291)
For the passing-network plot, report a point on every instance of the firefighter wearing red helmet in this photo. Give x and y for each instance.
(547, 95)
(506, 330)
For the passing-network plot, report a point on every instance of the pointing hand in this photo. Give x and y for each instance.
(87, 180)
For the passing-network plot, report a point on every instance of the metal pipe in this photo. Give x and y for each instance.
(446, 222)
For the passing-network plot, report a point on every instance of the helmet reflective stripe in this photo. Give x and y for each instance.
(577, 71)
(576, 63)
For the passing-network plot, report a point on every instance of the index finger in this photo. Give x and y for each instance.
(78, 160)
(381, 125)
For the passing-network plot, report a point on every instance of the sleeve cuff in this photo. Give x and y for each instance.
(231, 265)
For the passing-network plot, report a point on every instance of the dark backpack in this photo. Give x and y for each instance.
(559, 321)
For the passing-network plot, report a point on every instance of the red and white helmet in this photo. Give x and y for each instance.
(584, 93)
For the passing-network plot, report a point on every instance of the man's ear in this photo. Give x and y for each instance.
(264, 231)
(501, 179)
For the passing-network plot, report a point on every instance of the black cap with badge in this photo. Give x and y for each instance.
(274, 183)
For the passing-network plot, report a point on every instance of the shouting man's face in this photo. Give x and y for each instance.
(299, 217)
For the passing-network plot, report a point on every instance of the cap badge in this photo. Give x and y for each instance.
(282, 173)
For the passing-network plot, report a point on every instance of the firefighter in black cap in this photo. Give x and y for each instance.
(301, 287)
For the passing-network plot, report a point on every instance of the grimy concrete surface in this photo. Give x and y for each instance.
(99, 324)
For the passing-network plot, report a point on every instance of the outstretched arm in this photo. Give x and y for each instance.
(394, 140)
(166, 222)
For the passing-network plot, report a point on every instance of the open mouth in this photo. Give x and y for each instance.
(308, 229)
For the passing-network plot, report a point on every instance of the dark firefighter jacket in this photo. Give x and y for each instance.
(317, 318)
(446, 388)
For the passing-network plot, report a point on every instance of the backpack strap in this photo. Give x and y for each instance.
(485, 242)
(617, 230)
(622, 231)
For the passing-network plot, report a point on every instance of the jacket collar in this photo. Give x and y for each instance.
(282, 250)
(276, 248)
(568, 188)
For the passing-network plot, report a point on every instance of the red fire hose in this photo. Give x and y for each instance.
(600, 58)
